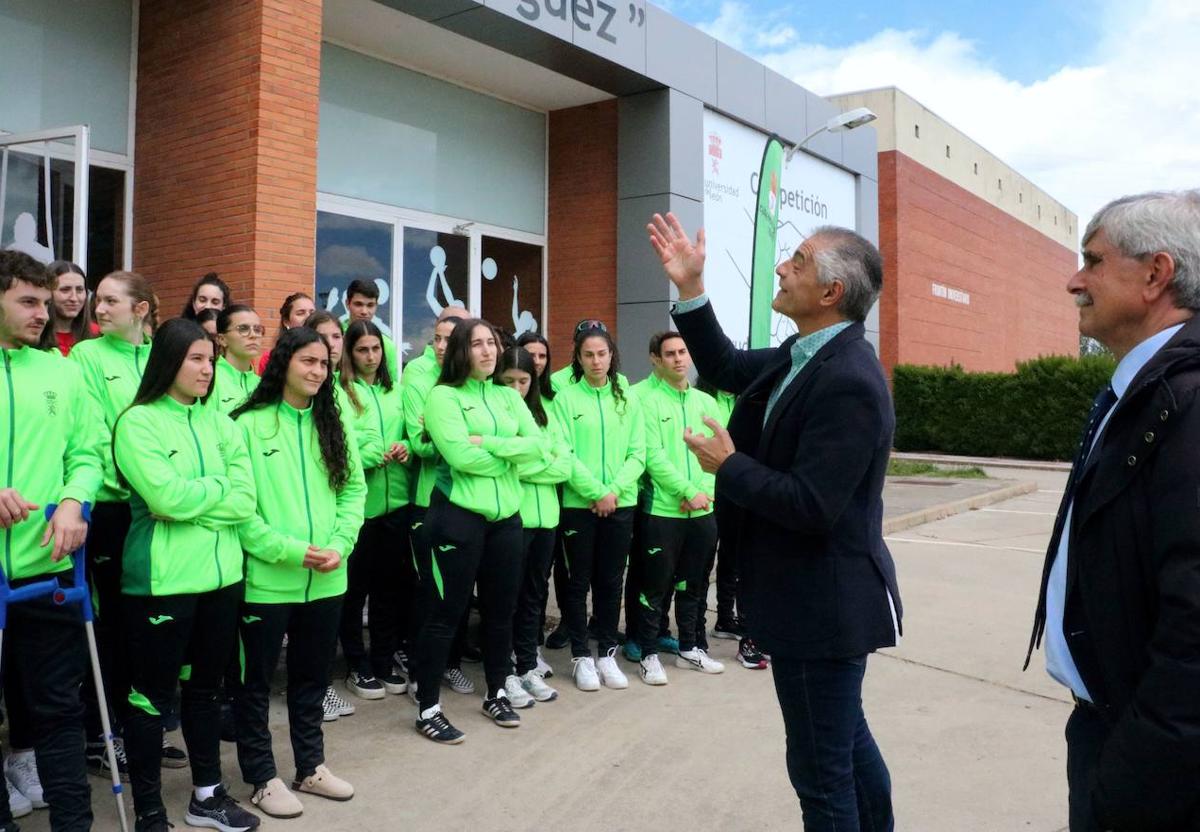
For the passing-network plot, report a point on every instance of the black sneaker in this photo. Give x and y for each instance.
(750, 656)
(97, 760)
(173, 756)
(220, 812)
(394, 682)
(155, 821)
(400, 657)
(437, 728)
(558, 639)
(501, 711)
(731, 630)
(365, 686)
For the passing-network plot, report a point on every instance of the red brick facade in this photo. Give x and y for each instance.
(226, 152)
(582, 233)
(932, 231)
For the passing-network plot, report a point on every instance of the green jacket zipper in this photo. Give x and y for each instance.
(496, 431)
(387, 488)
(12, 448)
(687, 456)
(603, 449)
(216, 534)
(307, 504)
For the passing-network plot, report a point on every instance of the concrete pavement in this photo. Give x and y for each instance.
(972, 742)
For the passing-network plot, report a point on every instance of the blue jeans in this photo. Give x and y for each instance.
(832, 759)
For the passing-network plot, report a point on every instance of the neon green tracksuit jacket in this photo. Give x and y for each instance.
(296, 507)
(417, 385)
(564, 377)
(482, 478)
(52, 448)
(231, 386)
(672, 471)
(540, 479)
(112, 370)
(608, 439)
(190, 487)
(379, 424)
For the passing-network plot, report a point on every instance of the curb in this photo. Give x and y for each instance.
(939, 512)
(983, 462)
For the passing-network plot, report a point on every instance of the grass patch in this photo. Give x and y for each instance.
(909, 468)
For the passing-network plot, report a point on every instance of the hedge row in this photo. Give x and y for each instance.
(1035, 413)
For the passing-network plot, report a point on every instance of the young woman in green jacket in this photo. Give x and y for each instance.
(113, 366)
(380, 571)
(311, 492)
(604, 428)
(239, 335)
(482, 432)
(539, 518)
(190, 486)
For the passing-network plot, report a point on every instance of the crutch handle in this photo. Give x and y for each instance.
(79, 592)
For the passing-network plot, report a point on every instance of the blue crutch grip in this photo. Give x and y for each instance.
(79, 592)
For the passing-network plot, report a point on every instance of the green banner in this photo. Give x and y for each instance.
(766, 227)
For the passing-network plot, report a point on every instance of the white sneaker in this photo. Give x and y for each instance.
(543, 667)
(20, 769)
(518, 697)
(18, 804)
(697, 659)
(537, 687)
(652, 670)
(584, 671)
(611, 675)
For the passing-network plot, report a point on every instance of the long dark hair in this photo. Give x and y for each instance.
(326, 416)
(613, 368)
(210, 279)
(171, 345)
(81, 325)
(516, 358)
(543, 381)
(456, 364)
(383, 376)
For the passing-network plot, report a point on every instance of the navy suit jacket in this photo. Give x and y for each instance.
(806, 490)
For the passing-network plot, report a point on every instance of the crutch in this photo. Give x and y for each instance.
(79, 592)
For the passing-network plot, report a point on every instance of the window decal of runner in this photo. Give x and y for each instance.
(516, 305)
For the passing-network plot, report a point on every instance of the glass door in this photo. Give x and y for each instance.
(437, 271)
(44, 180)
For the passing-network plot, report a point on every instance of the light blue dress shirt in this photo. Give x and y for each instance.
(1059, 663)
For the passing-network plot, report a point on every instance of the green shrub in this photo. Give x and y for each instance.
(1037, 412)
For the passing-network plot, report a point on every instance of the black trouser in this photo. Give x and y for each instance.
(375, 570)
(105, 547)
(185, 641)
(675, 551)
(633, 579)
(311, 628)
(45, 647)
(465, 548)
(20, 733)
(561, 580)
(728, 606)
(1086, 733)
(531, 598)
(595, 550)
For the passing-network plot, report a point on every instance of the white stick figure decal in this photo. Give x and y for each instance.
(437, 257)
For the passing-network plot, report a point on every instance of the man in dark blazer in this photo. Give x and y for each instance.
(1119, 606)
(803, 464)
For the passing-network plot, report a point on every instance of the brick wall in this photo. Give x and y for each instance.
(226, 152)
(582, 234)
(935, 232)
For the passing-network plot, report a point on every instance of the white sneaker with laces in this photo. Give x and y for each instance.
(537, 687)
(697, 659)
(652, 670)
(518, 697)
(611, 675)
(18, 804)
(584, 670)
(20, 769)
(543, 667)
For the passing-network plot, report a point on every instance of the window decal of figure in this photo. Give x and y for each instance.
(25, 239)
(522, 321)
(437, 257)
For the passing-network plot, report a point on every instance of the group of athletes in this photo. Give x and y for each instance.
(237, 504)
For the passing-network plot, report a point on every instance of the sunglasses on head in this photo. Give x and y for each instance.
(589, 325)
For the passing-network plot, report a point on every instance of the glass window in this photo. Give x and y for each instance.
(395, 136)
(65, 62)
(436, 275)
(511, 285)
(350, 248)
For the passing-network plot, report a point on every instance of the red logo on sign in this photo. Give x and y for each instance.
(714, 151)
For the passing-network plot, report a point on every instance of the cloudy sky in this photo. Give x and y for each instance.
(1091, 99)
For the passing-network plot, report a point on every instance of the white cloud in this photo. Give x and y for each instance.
(1123, 119)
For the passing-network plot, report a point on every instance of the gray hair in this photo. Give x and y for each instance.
(1158, 221)
(854, 262)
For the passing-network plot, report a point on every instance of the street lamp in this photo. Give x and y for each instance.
(843, 121)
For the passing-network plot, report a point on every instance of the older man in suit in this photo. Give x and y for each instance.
(1119, 606)
(803, 464)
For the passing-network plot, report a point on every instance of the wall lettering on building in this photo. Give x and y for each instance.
(951, 294)
(810, 204)
(587, 15)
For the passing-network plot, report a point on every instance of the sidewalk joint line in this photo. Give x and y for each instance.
(989, 682)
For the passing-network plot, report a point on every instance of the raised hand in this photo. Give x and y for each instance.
(682, 260)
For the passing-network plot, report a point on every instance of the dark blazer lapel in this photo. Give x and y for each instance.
(850, 333)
